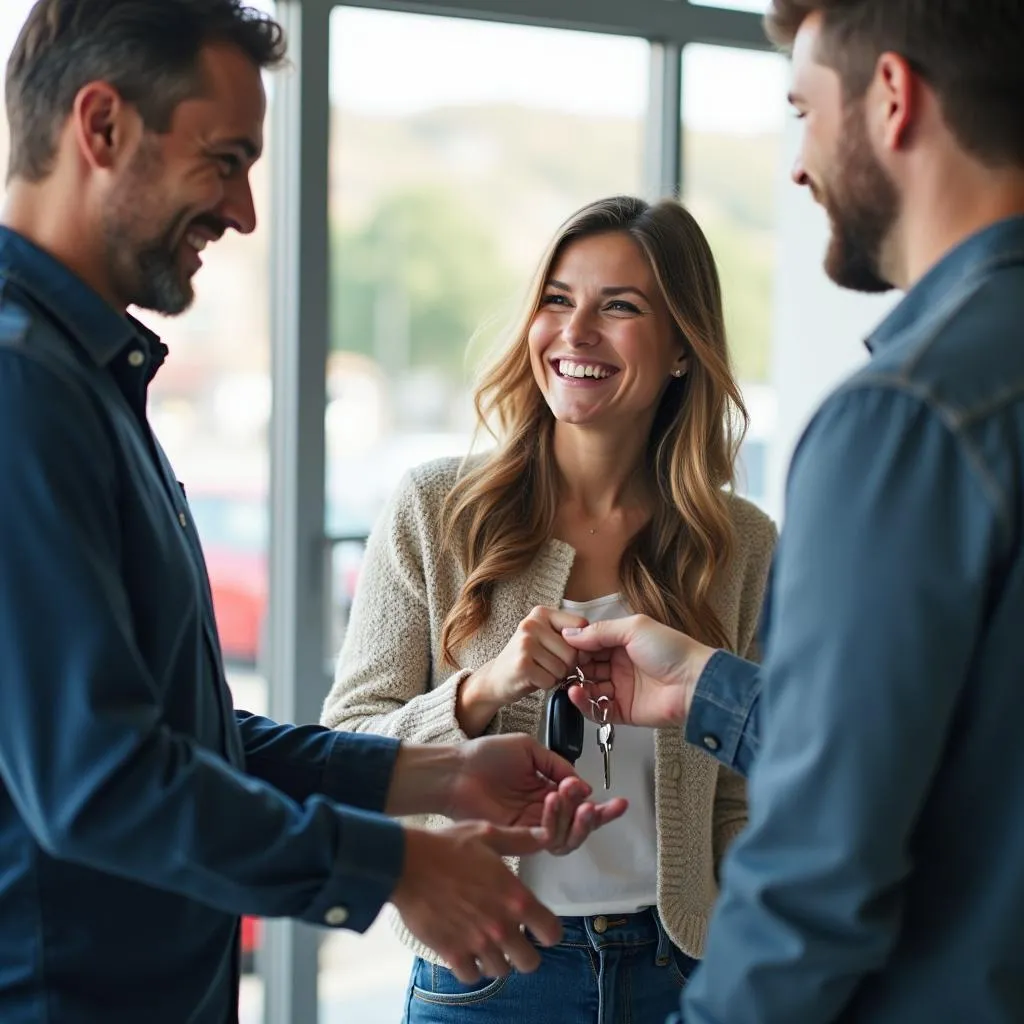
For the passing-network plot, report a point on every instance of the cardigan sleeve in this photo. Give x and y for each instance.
(730, 808)
(383, 680)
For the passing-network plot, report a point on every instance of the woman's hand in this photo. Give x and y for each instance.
(537, 657)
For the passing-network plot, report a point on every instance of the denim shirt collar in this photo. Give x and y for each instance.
(81, 312)
(998, 245)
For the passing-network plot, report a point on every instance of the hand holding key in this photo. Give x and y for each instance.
(536, 657)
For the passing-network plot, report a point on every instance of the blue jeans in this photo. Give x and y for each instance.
(611, 969)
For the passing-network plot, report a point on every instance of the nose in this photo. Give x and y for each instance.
(580, 330)
(798, 173)
(238, 208)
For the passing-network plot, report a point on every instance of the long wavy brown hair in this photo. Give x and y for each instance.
(501, 512)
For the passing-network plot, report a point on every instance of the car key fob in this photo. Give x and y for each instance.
(564, 732)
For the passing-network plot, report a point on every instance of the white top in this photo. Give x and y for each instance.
(615, 871)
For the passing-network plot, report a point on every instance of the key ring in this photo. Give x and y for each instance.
(599, 704)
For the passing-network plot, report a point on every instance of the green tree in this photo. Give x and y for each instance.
(412, 285)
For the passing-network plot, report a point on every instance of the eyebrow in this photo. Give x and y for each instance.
(794, 98)
(620, 289)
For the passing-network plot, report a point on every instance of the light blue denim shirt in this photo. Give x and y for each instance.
(881, 878)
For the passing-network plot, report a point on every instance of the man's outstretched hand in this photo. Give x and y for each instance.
(513, 781)
(457, 896)
(647, 670)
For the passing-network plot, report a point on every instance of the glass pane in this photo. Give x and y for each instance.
(457, 148)
(733, 117)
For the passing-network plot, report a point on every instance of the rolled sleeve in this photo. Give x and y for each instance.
(724, 716)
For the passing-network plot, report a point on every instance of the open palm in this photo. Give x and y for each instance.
(514, 781)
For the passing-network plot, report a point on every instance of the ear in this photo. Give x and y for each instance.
(892, 100)
(105, 127)
(681, 365)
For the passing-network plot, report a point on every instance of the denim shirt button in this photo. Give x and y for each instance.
(712, 742)
(336, 917)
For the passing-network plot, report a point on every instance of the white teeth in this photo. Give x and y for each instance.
(198, 242)
(569, 368)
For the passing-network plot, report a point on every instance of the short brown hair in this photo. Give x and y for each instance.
(968, 51)
(146, 49)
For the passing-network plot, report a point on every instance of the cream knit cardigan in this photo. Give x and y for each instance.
(391, 678)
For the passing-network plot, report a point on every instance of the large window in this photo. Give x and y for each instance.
(457, 148)
(733, 119)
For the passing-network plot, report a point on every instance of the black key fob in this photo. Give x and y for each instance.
(564, 732)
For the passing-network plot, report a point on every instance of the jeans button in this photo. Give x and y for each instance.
(601, 924)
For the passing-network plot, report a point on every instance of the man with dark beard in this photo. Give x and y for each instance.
(881, 877)
(140, 814)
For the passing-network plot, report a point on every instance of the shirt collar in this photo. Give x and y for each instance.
(81, 312)
(998, 245)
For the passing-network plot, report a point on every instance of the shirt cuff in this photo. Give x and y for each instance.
(371, 856)
(719, 721)
(359, 769)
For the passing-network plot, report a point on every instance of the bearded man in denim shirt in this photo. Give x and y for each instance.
(881, 877)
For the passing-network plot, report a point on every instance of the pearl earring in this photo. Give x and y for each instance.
(677, 373)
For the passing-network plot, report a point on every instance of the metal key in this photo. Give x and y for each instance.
(605, 738)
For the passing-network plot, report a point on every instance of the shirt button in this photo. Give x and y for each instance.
(136, 358)
(336, 916)
(182, 519)
(712, 742)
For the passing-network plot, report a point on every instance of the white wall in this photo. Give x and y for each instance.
(819, 329)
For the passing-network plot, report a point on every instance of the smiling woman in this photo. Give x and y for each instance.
(617, 422)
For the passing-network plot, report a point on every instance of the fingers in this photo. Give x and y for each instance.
(522, 953)
(588, 819)
(583, 697)
(601, 635)
(549, 764)
(560, 619)
(457, 897)
(546, 928)
(569, 818)
(514, 842)
(560, 810)
(607, 812)
(492, 960)
(543, 626)
(464, 968)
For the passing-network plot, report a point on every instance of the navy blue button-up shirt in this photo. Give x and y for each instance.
(881, 878)
(140, 814)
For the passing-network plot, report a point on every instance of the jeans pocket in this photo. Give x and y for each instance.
(682, 966)
(434, 984)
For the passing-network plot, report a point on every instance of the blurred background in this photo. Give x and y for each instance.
(455, 146)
